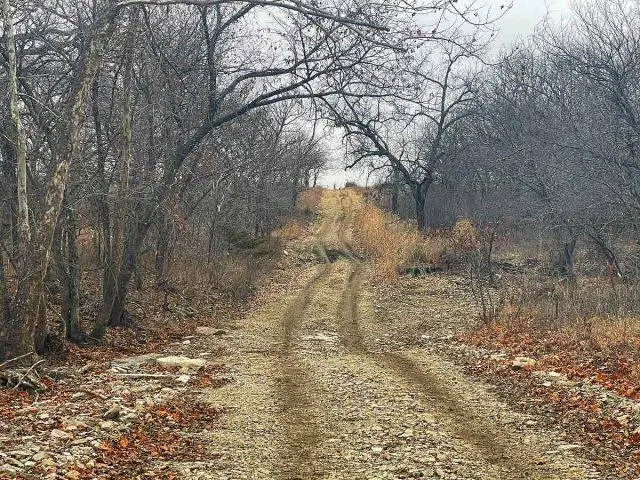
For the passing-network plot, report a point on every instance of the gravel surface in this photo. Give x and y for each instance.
(335, 377)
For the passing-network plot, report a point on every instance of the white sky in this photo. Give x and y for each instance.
(518, 23)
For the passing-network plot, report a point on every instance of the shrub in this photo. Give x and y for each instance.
(392, 244)
(464, 236)
(309, 200)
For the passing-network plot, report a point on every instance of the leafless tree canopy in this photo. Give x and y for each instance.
(146, 127)
(135, 125)
(545, 139)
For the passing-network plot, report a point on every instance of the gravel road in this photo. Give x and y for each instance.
(328, 383)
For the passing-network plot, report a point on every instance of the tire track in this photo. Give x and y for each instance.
(465, 423)
(302, 429)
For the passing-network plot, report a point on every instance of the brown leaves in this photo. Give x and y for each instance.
(601, 425)
(165, 433)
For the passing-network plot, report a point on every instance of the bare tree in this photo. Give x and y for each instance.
(412, 126)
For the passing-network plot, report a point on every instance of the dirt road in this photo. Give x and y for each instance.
(336, 380)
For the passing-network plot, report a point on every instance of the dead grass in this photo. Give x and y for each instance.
(291, 230)
(390, 243)
(590, 330)
(309, 199)
(608, 333)
(393, 244)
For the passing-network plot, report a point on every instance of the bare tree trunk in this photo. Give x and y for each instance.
(563, 264)
(68, 276)
(162, 246)
(124, 173)
(420, 191)
(4, 304)
(395, 191)
(21, 143)
(111, 282)
(102, 207)
(22, 318)
(41, 329)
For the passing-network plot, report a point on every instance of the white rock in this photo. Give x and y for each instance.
(210, 331)
(112, 413)
(184, 379)
(108, 425)
(407, 433)
(55, 433)
(39, 456)
(182, 362)
(523, 362)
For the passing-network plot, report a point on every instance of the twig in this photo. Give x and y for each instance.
(144, 375)
(27, 373)
(93, 394)
(15, 359)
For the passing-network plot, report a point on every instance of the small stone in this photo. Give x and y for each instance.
(182, 362)
(523, 362)
(39, 457)
(108, 425)
(15, 462)
(376, 449)
(80, 441)
(129, 416)
(183, 379)
(112, 413)
(210, 331)
(7, 469)
(55, 433)
(407, 433)
(20, 453)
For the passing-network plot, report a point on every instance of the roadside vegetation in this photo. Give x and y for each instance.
(589, 328)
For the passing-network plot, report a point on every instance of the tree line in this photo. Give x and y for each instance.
(127, 122)
(544, 138)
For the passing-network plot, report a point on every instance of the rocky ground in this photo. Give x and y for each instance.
(329, 375)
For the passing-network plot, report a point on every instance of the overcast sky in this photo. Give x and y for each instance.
(517, 24)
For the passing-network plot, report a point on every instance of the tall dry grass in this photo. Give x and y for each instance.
(391, 244)
(309, 199)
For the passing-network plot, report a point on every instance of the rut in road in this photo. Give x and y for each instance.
(301, 428)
